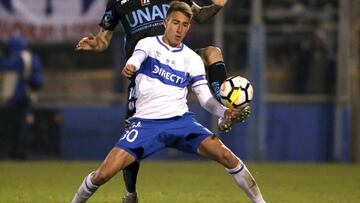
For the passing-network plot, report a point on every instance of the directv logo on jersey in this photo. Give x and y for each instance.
(144, 2)
(167, 75)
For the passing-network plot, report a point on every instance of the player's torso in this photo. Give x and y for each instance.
(140, 15)
(141, 18)
(162, 81)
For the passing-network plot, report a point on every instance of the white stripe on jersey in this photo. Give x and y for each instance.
(163, 77)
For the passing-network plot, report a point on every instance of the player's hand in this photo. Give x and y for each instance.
(87, 43)
(219, 2)
(231, 116)
(237, 115)
(128, 70)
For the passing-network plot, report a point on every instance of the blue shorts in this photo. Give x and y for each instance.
(147, 136)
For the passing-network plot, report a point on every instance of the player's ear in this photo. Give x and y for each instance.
(165, 21)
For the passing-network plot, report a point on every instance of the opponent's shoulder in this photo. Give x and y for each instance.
(189, 2)
(112, 3)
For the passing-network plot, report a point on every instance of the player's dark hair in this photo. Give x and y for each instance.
(181, 7)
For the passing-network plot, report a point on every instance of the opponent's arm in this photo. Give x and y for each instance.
(205, 13)
(95, 43)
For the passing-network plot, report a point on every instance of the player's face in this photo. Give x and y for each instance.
(176, 27)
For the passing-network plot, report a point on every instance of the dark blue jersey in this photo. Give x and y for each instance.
(139, 18)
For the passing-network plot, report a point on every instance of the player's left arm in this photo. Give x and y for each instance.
(201, 89)
(205, 13)
(208, 102)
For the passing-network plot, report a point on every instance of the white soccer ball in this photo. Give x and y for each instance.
(236, 92)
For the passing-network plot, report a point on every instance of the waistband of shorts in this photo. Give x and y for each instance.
(162, 119)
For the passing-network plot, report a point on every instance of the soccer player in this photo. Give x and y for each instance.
(163, 68)
(144, 18)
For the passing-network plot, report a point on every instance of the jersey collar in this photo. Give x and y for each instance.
(172, 49)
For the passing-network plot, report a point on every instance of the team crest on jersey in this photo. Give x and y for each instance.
(144, 2)
(186, 62)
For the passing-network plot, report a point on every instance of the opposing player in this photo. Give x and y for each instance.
(143, 18)
(164, 67)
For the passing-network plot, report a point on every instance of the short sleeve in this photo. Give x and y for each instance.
(110, 18)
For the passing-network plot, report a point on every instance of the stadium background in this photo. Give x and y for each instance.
(301, 56)
(303, 65)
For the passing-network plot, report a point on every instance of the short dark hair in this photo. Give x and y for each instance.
(181, 7)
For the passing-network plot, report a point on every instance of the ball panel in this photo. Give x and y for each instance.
(235, 96)
(236, 92)
(225, 88)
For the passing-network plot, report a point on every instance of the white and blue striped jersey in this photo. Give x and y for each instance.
(162, 77)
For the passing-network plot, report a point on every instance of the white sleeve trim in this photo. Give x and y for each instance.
(207, 101)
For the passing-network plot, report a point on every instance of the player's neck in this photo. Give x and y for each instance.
(167, 41)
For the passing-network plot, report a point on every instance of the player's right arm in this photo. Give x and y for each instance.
(138, 57)
(97, 43)
(102, 40)
(133, 64)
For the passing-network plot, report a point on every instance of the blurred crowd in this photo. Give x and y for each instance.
(22, 78)
(301, 52)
